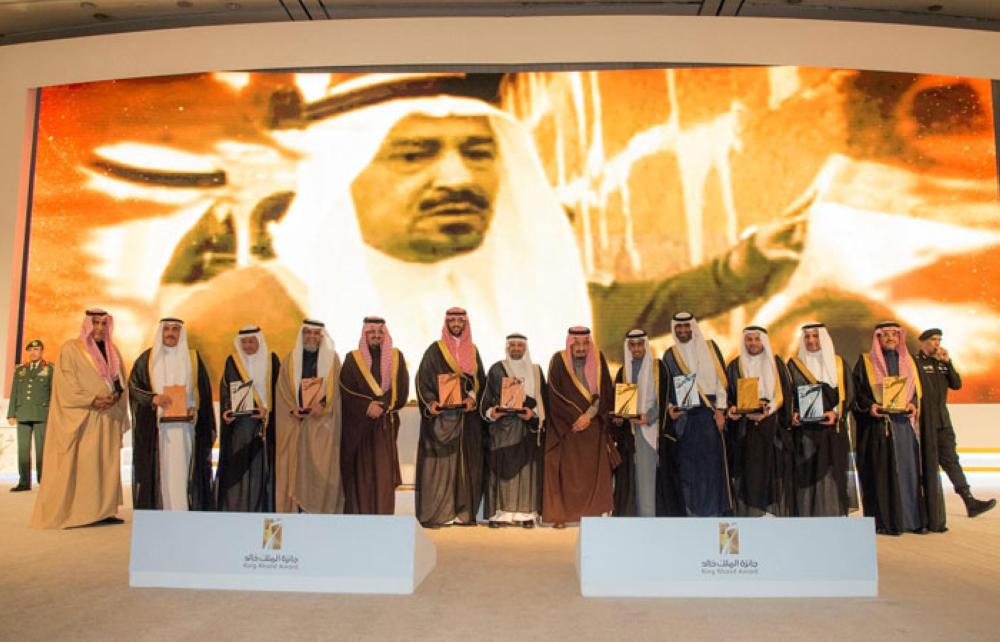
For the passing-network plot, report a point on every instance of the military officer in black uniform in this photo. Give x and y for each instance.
(937, 375)
(29, 408)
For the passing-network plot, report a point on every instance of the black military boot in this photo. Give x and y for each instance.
(975, 506)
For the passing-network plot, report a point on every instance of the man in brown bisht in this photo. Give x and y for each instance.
(88, 414)
(579, 454)
(307, 458)
(450, 449)
(374, 385)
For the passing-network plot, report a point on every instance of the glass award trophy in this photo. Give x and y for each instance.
(241, 398)
(893, 395)
(748, 401)
(626, 401)
(512, 394)
(686, 389)
(450, 390)
(178, 408)
(311, 390)
(810, 403)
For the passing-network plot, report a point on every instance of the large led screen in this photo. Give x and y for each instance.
(536, 200)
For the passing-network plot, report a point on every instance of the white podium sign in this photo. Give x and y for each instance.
(727, 557)
(279, 552)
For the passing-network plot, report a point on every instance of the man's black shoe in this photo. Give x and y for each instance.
(979, 506)
(20, 488)
(975, 506)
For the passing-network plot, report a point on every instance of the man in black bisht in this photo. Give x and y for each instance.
(937, 376)
(449, 480)
(894, 489)
(171, 447)
(760, 442)
(514, 440)
(823, 473)
(244, 480)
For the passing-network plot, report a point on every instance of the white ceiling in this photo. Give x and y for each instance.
(32, 20)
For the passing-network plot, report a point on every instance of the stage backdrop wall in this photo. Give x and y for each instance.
(901, 156)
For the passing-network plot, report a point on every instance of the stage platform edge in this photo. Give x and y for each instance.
(727, 557)
(279, 552)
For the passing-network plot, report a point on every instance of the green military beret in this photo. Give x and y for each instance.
(34, 343)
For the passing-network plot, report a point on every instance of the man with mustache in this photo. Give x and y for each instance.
(696, 420)
(450, 450)
(760, 447)
(171, 441)
(894, 488)
(444, 171)
(374, 386)
(823, 471)
(580, 454)
(514, 439)
(420, 194)
(643, 441)
(416, 190)
(307, 426)
(88, 415)
(244, 480)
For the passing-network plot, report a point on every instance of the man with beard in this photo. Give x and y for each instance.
(88, 415)
(307, 457)
(245, 480)
(893, 486)
(937, 376)
(696, 419)
(579, 452)
(637, 492)
(514, 439)
(374, 385)
(171, 446)
(823, 447)
(760, 443)
(450, 449)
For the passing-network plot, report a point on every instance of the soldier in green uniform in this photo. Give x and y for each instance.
(29, 408)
